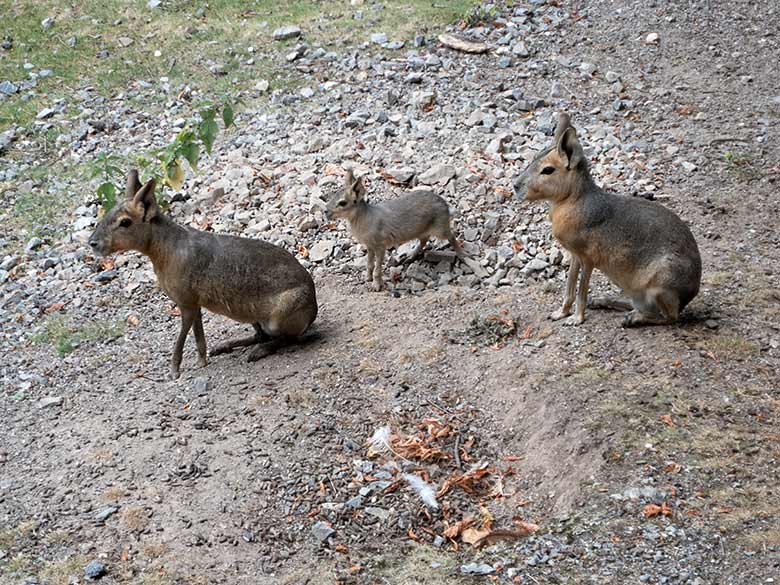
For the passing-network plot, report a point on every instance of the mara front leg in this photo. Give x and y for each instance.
(370, 258)
(379, 259)
(571, 289)
(582, 294)
(187, 319)
(200, 338)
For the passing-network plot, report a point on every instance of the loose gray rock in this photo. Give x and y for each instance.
(8, 87)
(286, 32)
(476, 569)
(106, 513)
(94, 570)
(45, 113)
(322, 532)
(437, 175)
(201, 385)
(321, 250)
(49, 401)
(379, 38)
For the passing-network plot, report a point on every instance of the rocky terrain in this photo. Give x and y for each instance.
(555, 454)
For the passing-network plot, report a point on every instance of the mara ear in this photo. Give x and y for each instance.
(133, 184)
(358, 189)
(569, 146)
(145, 200)
(564, 122)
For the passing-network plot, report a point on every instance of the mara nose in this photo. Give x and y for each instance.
(518, 186)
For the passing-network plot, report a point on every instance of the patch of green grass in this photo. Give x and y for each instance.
(61, 572)
(740, 164)
(732, 347)
(203, 44)
(66, 337)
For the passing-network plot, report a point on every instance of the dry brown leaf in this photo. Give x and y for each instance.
(53, 308)
(416, 448)
(133, 321)
(651, 510)
(497, 535)
(466, 481)
(525, 527)
(673, 468)
(342, 548)
(333, 169)
(107, 263)
(303, 251)
(473, 535)
(504, 192)
(667, 420)
(453, 531)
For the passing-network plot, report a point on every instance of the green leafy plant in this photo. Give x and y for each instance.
(106, 168)
(166, 165)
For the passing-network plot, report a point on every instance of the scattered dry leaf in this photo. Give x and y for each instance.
(651, 510)
(453, 531)
(474, 535)
(133, 321)
(667, 420)
(525, 527)
(333, 169)
(107, 263)
(53, 308)
(673, 468)
(466, 481)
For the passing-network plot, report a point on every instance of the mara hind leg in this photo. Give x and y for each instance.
(619, 303)
(653, 307)
(291, 317)
(259, 337)
(445, 233)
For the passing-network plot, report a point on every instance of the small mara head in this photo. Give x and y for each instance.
(128, 225)
(556, 171)
(342, 203)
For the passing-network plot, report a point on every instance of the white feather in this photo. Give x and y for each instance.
(423, 489)
(380, 440)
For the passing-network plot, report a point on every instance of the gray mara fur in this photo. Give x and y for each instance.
(643, 247)
(392, 223)
(250, 281)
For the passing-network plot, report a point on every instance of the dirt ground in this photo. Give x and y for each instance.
(222, 476)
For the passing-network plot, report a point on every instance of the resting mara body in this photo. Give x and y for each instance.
(643, 247)
(416, 216)
(250, 281)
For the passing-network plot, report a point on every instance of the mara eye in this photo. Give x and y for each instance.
(548, 170)
(342, 203)
(126, 222)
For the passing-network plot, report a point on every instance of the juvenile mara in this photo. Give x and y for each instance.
(247, 280)
(416, 216)
(642, 247)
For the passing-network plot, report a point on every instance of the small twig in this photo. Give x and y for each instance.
(335, 491)
(441, 408)
(145, 377)
(727, 139)
(457, 449)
